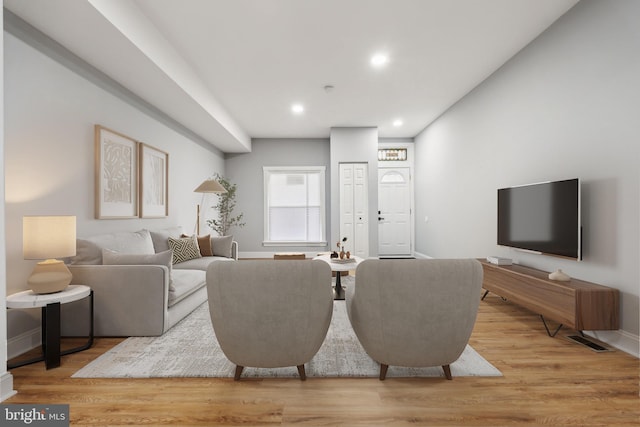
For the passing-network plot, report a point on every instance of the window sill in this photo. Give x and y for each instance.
(292, 244)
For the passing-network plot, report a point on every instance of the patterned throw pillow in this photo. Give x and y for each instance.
(184, 249)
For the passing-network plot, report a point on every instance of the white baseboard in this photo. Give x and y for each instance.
(24, 342)
(622, 340)
(6, 386)
(421, 256)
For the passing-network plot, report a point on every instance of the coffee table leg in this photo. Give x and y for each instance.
(339, 294)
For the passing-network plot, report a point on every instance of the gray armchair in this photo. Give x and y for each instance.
(268, 314)
(415, 313)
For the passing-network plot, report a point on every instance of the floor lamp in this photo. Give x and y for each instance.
(207, 186)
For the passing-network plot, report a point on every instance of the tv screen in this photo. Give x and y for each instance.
(542, 218)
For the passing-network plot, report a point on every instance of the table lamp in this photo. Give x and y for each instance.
(47, 238)
(207, 186)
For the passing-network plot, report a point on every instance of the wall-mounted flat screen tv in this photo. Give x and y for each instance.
(542, 218)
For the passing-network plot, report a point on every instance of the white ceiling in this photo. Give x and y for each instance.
(230, 70)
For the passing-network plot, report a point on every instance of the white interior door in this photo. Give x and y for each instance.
(394, 214)
(354, 202)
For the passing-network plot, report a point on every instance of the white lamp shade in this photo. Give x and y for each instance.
(47, 237)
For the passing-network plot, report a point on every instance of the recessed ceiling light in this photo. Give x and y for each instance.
(297, 108)
(397, 122)
(379, 60)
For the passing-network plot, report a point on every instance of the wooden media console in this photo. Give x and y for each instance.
(580, 305)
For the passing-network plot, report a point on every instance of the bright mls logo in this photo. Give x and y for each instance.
(35, 415)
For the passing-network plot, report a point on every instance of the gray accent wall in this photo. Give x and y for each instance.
(245, 170)
(566, 106)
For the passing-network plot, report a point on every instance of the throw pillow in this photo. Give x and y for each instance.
(204, 243)
(160, 237)
(165, 258)
(184, 249)
(87, 252)
(221, 246)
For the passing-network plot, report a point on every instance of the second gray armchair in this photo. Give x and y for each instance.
(415, 313)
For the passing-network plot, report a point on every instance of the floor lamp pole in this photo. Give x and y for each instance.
(198, 222)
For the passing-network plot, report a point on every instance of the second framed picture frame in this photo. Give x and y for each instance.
(116, 180)
(154, 176)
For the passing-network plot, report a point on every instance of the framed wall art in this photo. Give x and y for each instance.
(154, 175)
(116, 179)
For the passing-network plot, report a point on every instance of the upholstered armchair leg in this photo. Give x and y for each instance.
(383, 371)
(302, 373)
(239, 369)
(447, 371)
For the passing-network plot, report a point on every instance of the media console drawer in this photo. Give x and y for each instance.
(578, 304)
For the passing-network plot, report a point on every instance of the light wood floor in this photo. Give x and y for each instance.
(547, 381)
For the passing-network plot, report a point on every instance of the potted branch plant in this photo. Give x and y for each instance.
(225, 207)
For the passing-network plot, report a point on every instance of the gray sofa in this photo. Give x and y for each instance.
(138, 289)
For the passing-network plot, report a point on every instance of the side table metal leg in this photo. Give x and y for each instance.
(51, 334)
(90, 338)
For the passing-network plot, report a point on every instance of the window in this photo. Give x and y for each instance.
(294, 212)
(392, 154)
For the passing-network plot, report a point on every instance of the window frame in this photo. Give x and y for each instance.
(267, 171)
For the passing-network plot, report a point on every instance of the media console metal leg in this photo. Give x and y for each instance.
(544, 322)
(484, 295)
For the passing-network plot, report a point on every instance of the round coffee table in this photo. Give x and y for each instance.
(339, 266)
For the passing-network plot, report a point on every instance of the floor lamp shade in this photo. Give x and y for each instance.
(210, 186)
(47, 238)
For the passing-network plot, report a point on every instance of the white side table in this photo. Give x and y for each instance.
(50, 304)
(338, 266)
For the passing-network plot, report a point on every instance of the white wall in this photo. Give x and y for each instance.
(50, 113)
(6, 379)
(352, 145)
(566, 106)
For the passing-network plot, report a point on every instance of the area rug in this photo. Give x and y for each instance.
(190, 349)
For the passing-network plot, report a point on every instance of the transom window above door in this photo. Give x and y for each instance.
(294, 206)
